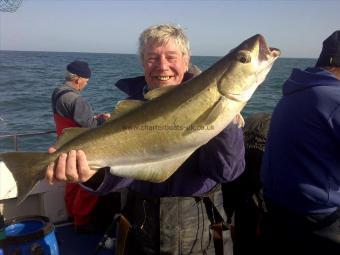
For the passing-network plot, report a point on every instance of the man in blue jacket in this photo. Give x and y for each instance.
(301, 164)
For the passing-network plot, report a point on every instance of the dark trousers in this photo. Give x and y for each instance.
(247, 218)
(171, 225)
(284, 232)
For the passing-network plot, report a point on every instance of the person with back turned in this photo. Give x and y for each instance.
(301, 164)
(70, 109)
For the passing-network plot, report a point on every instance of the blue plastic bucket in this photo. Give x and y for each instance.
(30, 235)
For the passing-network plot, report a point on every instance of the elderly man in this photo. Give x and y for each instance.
(70, 109)
(170, 217)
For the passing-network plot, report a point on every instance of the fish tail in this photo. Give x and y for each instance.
(27, 168)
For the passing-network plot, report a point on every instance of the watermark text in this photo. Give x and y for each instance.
(169, 127)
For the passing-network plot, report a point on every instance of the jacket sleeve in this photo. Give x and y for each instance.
(334, 122)
(222, 158)
(83, 114)
(104, 182)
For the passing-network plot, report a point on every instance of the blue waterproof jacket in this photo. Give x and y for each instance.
(301, 164)
(220, 160)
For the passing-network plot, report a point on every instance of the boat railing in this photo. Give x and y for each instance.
(15, 137)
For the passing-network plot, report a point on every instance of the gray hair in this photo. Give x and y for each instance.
(162, 34)
(71, 76)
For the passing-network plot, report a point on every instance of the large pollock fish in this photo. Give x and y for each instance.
(150, 140)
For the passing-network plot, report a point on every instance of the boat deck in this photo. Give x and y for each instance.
(72, 243)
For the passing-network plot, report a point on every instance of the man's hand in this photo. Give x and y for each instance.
(71, 167)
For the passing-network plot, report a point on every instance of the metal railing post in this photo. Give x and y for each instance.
(15, 140)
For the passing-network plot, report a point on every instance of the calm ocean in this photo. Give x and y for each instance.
(27, 80)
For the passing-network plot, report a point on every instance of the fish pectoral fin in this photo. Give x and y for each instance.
(69, 134)
(125, 106)
(152, 171)
(152, 94)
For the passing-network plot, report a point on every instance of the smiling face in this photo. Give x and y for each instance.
(164, 64)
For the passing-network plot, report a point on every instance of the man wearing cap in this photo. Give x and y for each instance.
(301, 163)
(70, 109)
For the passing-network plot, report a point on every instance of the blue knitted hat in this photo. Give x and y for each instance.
(80, 68)
(330, 54)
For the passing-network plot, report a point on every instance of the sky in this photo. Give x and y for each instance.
(296, 27)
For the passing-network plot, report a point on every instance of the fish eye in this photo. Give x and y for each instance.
(244, 57)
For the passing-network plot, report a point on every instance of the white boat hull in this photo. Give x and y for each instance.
(44, 200)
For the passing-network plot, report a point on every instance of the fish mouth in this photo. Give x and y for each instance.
(266, 53)
(266, 58)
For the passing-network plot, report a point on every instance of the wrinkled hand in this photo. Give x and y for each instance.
(71, 167)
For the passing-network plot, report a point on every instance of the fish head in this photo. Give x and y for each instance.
(245, 68)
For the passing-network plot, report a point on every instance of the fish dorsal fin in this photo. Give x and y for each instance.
(152, 94)
(125, 106)
(68, 134)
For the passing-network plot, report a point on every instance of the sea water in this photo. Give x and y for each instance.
(27, 80)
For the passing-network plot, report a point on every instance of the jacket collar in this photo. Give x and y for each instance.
(136, 87)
